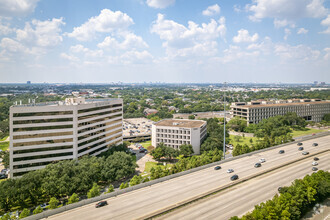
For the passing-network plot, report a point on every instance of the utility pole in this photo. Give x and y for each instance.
(224, 121)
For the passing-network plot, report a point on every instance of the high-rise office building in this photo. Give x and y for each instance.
(48, 132)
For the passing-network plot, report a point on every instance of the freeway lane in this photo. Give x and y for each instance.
(242, 198)
(139, 203)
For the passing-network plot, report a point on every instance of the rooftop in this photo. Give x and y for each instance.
(181, 123)
(282, 104)
(68, 101)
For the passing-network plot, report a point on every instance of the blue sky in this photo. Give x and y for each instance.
(165, 40)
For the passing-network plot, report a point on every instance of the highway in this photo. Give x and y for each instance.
(139, 203)
(242, 198)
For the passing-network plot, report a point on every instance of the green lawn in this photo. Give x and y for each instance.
(145, 144)
(243, 140)
(306, 132)
(149, 165)
(4, 145)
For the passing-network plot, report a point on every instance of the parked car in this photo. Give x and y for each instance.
(299, 144)
(315, 144)
(217, 167)
(100, 204)
(230, 171)
(300, 148)
(305, 153)
(281, 152)
(257, 165)
(262, 160)
(316, 158)
(234, 177)
(3, 176)
(315, 163)
(314, 168)
(279, 189)
(44, 206)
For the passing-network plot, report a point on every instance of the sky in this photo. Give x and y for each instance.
(175, 41)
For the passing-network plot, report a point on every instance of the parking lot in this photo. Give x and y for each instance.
(134, 127)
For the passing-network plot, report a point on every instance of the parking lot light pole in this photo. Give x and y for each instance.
(224, 121)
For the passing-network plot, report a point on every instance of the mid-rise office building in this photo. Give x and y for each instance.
(175, 132)
(256, 111)
(48, 132)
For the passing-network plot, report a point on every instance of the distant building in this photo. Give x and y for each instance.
(149, 111)
(46, 132)
(256, 111)
(28, 82)
(175, 132)
(322, 83)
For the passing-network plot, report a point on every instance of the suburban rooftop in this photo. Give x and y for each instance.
(181, 123)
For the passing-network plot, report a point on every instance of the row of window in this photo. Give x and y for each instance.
(100, 119)
(27, 114)
(173, 136)
(99, 114)
(173, 131)
(99, 132)
(27, 136)
(98, 108)
(33, 143)
(42, 156)
(172, 141)
(42, 128)
(42, 121)
(42, 149)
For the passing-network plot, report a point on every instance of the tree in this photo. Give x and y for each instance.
(4, 155)
(123, 185)
(251, 140)
(136, 180)
(53, 202)
(73, 199)
(192, 117)
(111, 189)
(37, 210)
(237, 124)
(326, 117)
(25, 213)
(186, 150)
(95, 191)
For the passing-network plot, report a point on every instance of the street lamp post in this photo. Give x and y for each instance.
(224, 121)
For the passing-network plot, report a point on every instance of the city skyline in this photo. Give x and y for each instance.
(168, 41)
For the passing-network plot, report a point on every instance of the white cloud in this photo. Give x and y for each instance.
(41, 33)
(234, 53)
(302, 31)
(160, 3)
(326, 22)
(327, 53)
(9, 8)
(212, 10)
(36, 38)
(282, 23)
(299, 52)
(289, 10)
(86, 51)
(5, 28)
(130, 41)
(287, 32)
(194, 40)
(69, 57)
(107, 21)
(244, 37)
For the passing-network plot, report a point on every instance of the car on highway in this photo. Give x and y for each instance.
(305, 153)
(314, 168)
(281, 152)
(217, 167)
(230, 171)
(299, 144)
(100, 204)
(313, 134)
(316, 158)
(300, 148)
(315, 163)
(315, 144)
(234, 177)
(257, 165)
(262, 160)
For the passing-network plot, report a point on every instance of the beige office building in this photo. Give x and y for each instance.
(48, 132)
(256, 111)
(175, 132)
